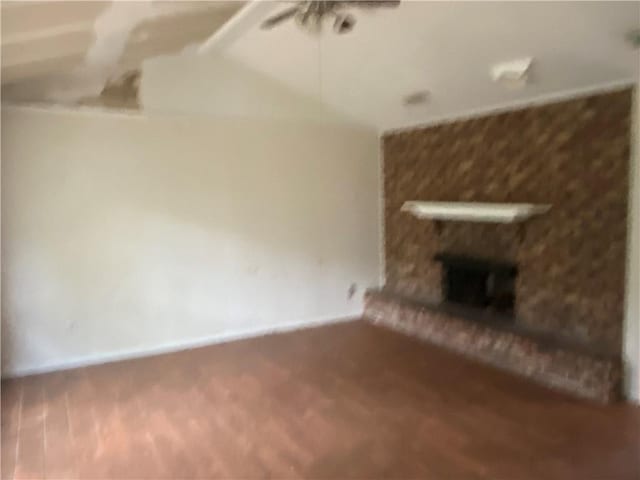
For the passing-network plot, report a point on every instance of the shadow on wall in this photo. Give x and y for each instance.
(124, 233)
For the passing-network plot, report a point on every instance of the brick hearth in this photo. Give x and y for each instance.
(556, 363)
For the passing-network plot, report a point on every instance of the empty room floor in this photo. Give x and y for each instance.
(346, 400)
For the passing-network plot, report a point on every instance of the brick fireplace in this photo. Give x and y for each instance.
(558, 279)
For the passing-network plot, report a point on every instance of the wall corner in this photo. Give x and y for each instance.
(631, 347)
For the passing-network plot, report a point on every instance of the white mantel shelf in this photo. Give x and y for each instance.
(475, 211)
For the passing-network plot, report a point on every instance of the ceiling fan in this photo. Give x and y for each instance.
(310, 14)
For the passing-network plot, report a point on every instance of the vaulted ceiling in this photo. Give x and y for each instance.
(70, 50)
(448, 49)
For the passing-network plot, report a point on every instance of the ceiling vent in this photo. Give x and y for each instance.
(512, 74)
(416, 98)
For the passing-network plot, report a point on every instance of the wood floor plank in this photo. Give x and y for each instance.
(344, 401)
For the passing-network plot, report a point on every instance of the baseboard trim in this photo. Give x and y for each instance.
(98, 359)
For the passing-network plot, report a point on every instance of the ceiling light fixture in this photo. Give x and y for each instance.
(344, 23)
(310, 14)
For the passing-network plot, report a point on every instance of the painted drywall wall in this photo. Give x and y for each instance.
(128, 234)
(632, 315)
(215, 85)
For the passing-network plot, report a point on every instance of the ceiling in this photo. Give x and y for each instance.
(70, 50)
(66, 50)
(447, 48)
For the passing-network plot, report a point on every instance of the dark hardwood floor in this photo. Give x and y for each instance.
(344, 401)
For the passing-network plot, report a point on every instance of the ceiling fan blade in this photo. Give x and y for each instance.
(372, 3)
(279, 18)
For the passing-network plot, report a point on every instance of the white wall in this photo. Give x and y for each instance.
(215, 85)
(124, 234)
(632, 323)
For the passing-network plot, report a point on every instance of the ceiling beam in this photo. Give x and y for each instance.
(246, 18)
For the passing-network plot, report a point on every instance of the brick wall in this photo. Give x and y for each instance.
(573, 155)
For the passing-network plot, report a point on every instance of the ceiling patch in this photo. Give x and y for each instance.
(119, 93)
(112, 30)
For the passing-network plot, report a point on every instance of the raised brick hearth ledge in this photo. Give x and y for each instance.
(557, 364)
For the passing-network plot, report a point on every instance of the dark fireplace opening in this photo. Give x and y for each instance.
(479, 283)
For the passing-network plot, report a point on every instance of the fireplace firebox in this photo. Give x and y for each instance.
(479, 283)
